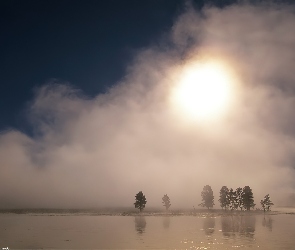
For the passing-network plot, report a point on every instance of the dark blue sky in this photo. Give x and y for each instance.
(85, 43)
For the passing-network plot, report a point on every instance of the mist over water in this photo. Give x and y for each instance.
(99, 152)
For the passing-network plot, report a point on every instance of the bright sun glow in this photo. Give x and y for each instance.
(203, 91)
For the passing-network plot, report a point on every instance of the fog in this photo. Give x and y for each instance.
(99, 152)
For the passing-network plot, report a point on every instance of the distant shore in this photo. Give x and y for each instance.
(147, 212)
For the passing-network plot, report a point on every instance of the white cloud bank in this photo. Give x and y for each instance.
(102, 151)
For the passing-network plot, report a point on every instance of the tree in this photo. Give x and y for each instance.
(223, 197)
(140, 201)
(239, 194)
(248, 200)
(166, 201)
(266, 203)
(207, 197)
(232, 197)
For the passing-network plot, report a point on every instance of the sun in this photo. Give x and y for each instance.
(203, 90)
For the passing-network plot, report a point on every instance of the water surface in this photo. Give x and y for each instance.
(23, 231)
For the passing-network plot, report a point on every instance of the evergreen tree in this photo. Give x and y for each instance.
(239, 193)
(248, 200)
(207, 197)
(140, 201)
(166, 201)
(223, 197)
(266, 203)
(232, 197)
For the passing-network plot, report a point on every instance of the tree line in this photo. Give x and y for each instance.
(229, 199)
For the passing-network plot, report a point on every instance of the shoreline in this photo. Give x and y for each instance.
(114, 212)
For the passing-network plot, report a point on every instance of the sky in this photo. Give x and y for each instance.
(88, 117)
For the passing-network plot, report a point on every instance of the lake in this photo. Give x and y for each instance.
(35, 231)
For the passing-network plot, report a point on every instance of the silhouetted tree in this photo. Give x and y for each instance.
(232, 197)
(140, 201)
(248, 200)
(266, 203)
(166, 201)
(223, 197)
(239, 194)
(207, 197)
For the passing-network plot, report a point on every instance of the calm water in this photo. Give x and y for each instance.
(149, 232)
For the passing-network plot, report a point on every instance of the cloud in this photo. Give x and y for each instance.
(102, 151)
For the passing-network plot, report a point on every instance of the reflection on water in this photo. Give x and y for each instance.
(244, 225)
(209, 225)
(267, 222)
(166, 222)
(140, 224)
(132, 232)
